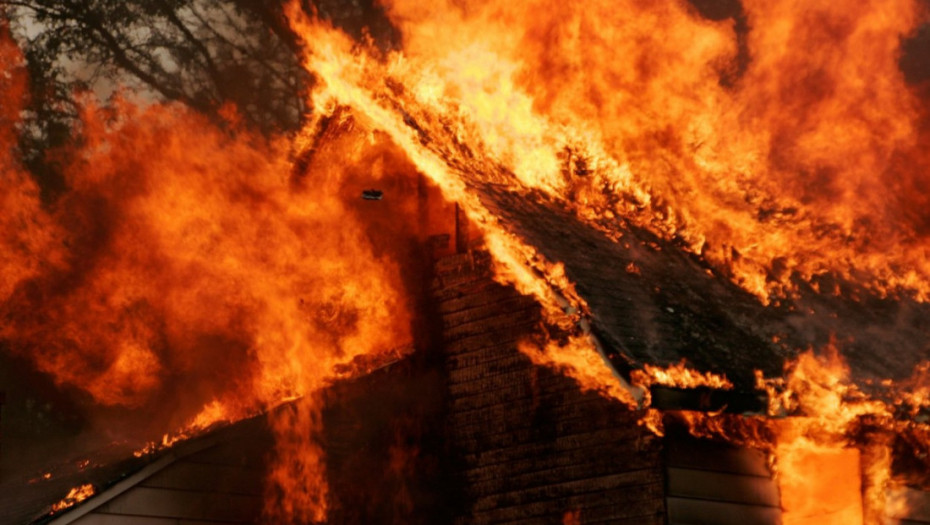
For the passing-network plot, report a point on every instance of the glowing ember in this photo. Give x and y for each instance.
(572, 517)
(44, 477)
(75, 496)
(28, 237)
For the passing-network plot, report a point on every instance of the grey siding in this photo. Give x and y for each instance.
(218, 484)
(714, 484)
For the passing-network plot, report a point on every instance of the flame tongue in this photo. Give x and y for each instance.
(619, 109)
(28, 237)
(74, 496)
(167, 271)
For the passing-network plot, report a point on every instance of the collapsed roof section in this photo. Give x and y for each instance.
(652, 301)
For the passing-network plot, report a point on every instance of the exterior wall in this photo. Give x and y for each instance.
(716, 484)
(219, 485)
(532, 447)
(383, 437)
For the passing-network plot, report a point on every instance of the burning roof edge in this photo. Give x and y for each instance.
(170, 456)
(138, 469)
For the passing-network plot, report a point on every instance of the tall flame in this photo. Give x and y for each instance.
(191, 274)
(788, 149)
(28, 238)
(195, 254)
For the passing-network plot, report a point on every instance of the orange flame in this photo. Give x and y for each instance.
(28, 237)
(298, 489)
(819, 472)
(578, 358)
(186, 218)
(832, 453)
(212, 413)
(679, 375)
(75, 496)
(186, 258)
(353, 78)
(619, 109)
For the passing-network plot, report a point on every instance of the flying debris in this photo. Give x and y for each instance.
(372, 195)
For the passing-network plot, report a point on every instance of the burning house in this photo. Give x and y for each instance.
(470, 430)
(643, 263)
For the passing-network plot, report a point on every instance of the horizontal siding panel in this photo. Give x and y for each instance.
(237, 454)
(115, 519)
(629, 481)
(110, 519)
(722, 486)
(683, 511)
(144, 501)
(633, 503)
(185, 475)
(707, 455)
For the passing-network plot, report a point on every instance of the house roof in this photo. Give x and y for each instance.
(115, 469)
(113, 472)
(675, 307)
